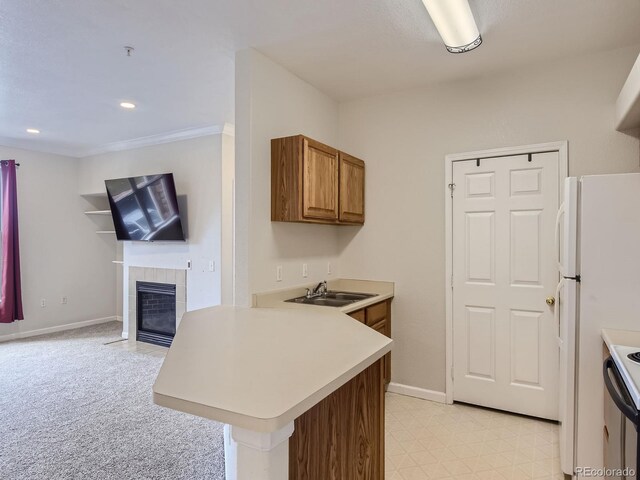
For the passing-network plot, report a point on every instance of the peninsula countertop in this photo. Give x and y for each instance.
(261, 368)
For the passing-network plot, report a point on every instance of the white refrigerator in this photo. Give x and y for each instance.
(598, 233)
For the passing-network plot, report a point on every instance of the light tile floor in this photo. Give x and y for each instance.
(428, 440)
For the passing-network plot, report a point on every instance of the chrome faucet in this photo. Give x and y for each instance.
(320, 289)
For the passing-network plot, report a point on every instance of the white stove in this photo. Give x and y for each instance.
(629, 370)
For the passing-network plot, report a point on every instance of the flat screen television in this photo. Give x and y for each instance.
(145, 208)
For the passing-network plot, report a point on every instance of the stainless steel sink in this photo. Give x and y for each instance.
(332, 298)
(348, 295)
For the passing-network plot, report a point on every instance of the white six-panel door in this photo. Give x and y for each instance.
(505, 349)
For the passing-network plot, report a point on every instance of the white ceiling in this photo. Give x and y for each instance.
(63, 68)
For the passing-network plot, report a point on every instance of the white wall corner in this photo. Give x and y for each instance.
(229, 129)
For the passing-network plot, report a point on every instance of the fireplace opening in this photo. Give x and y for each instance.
(156, 312)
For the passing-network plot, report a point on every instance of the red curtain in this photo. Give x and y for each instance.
(11, 291)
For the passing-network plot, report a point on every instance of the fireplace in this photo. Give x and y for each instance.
(155, 312)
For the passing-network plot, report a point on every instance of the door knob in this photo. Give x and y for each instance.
(550, 301)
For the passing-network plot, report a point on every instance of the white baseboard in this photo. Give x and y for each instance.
(423, 393)
(119, 318)
(58, 328)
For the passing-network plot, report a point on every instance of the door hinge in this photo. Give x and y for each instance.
(452, 187)
(451, 281)
(451, 372)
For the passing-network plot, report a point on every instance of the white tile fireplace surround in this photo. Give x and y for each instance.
(156, 275)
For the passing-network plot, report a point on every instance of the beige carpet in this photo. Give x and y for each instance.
(72, 407)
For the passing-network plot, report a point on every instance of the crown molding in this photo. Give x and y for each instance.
(168, 137)
(34, 145)
(159, 139)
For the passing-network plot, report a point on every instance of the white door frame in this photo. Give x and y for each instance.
(561, 147)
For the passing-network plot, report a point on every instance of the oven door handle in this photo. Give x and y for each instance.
(628, 410)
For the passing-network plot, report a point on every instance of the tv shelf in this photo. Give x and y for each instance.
(98, 212)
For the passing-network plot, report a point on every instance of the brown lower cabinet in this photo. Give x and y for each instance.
(378, 317)
(342, 437)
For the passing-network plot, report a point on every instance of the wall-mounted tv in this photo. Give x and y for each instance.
(145, 208)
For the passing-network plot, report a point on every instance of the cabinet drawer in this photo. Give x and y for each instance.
(381, 327)
(376, 313)
(358, 315)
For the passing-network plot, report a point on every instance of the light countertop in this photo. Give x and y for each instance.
(630, 338)
(261, 368)
(276, 299)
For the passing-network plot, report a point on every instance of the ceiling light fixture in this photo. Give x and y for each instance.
(35, 131)
(455, 23)
(128, 105)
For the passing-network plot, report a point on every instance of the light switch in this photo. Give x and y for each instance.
(279, 273)
(305, 270)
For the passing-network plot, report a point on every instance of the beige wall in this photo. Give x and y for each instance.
(271, 102)
(404, 138)
(61, 255)
(197, 167)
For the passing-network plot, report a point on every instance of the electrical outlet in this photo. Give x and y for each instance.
(279, 273)
(43, 302)
(305, 270)
(212, 265)
(328, 268)
(63, 300)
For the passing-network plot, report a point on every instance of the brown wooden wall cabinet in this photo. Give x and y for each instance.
(378, 317)
(351, 189)
(342, 437)
(314, 183)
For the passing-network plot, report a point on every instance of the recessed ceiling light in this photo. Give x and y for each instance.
(33, 130)
(128, 105)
